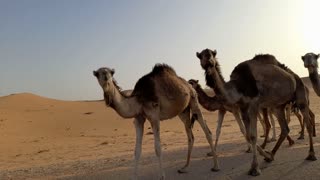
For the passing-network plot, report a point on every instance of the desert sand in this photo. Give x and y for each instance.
(44, 138)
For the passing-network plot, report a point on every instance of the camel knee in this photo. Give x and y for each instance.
(284, 133)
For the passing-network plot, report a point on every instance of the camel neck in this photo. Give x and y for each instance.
(209, 103)
(314, 78)
(214, 79)
(125, 106)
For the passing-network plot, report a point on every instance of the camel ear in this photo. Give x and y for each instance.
(197, 81)
(318, 56)
(302, 57)
(95, 73)
(198, 55)
(214, 53)
(112, 72)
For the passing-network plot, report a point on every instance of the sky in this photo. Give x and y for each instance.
(50, 48)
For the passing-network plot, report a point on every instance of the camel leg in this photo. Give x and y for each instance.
(306, 119)
(313, 121)
(290, 140)
(185, 118)
(252, 114)
(196, 110)
(241, 126)
(157, 144)
(288, 119)
(273, 125)
(139, 125)
(262, 124)
(279, 113)
(221, 114)
(267, 126)
(251, 136)
(288, 113)
(301, 124)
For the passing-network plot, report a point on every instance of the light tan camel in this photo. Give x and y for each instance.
(310, 61)
(157, 96)
(259, 83)
(218, 103)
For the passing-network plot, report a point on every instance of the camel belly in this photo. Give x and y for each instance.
(172, 107)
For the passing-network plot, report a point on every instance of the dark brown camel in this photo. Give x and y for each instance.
(259, 83)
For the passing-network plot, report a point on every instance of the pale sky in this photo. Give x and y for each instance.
(51, 47)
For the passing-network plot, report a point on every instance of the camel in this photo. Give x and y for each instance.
(259, 83)
(290, 108)
(220, 104)
(157, 96)
(310, 61)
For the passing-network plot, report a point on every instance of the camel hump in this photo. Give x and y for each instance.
(145, 88)
(161, 68)
(270, 59)
(264, 57)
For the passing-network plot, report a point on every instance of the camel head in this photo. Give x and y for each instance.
(105, 78)
(194, 83)
(310, 61)
(207, 58)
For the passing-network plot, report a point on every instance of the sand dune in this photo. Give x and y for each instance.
(46, 138)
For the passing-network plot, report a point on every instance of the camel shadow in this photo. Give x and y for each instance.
(289, 163)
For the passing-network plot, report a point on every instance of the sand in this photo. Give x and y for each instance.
(44, 138)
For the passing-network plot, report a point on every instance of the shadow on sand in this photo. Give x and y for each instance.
(234, 164)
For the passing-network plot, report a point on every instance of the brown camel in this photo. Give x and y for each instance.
(290, 108)
(310, 61)
(220, 104)
(157, 96)
(259, 83)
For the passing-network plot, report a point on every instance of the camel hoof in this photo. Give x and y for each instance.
(301, 137)
(210, 154)
(263, 145)
(291, 143)
(311, 158)
(273, 140)
(182, 171)
(162, 177)
(248, 150)
(263, 136)
(269, 159)
(254, 172)
(215, 169)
